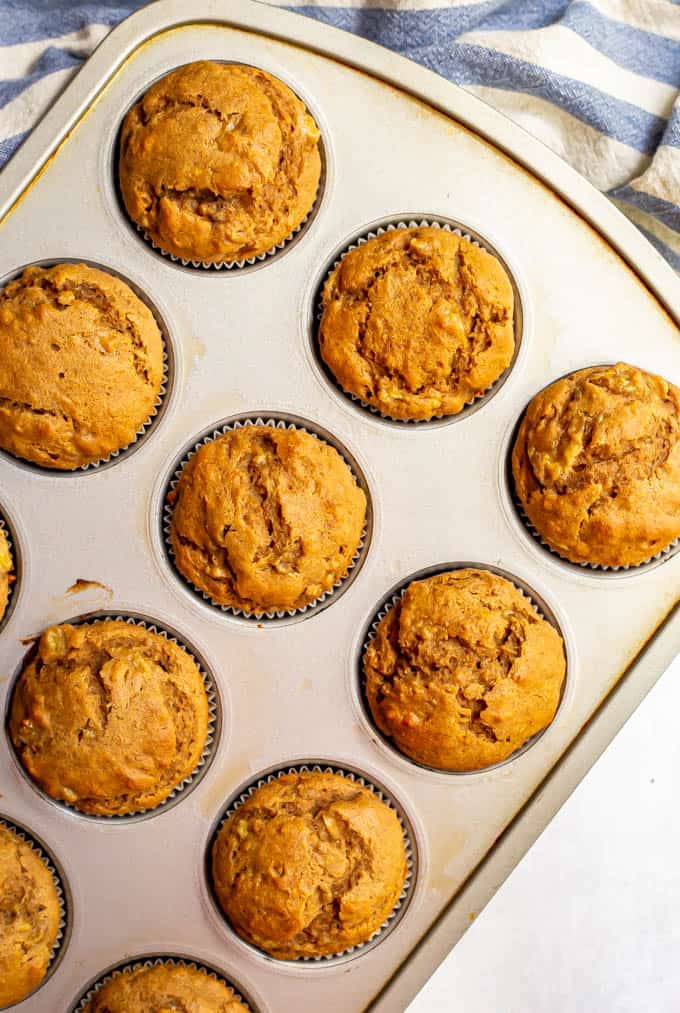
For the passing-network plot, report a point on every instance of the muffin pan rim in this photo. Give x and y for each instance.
(528, 535)
(65, 895)
(170, 382)
(415, 851)
(311, 312)
(549, 611)
(160, 515)
(118, 211)
(219, 719)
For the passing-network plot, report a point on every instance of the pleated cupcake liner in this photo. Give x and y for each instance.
(393, 599)
(481, 396)
(14, 572)
(399, 909)
(181, 790)
(597, 569)
(58, 878)
(157, 961)
(274, 614)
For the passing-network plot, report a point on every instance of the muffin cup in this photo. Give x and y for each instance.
(14, 573)
(63, 896)
(596, 569)
(212, 739)
(158, 960)
(277, 421)
(458, 229)
(162, 397)
(410, 845)
(227, 266)
(540, 607)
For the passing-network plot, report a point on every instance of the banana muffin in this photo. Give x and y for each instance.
(29, 917)
(596, 465)
(266, 519)
(81, 365)
(6, 577)
(219, 162)
(417, 322)
(309, 865)
(162, 988)
(462, 671)
(109, 717)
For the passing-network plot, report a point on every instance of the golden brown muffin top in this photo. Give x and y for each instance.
(417, 322)
(81, 365)
(596, 465)
(6, 567)
(219, 162)
(29, 917)
(462, 670)
(162, 989)
(109, 717)
(309, 865)
(266, 518)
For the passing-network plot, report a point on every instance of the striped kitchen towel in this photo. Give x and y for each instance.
(596, 80)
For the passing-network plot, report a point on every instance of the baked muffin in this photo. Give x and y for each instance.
(109, 717)
(417, 322)
(81, 365)
(6, 577)
(462, 671)
(162, 988)
(29, 917)
(310, 865)
(596, 465)
(219, 162)
(266, 518)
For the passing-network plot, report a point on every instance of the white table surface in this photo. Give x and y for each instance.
(589, 922)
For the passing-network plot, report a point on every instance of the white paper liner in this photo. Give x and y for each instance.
(159, 961)
(168, 508)
(61, 937)
(361, 241)
(409, 846)
(597, 569)
(14, 572)
(214, 721)
(378, 617)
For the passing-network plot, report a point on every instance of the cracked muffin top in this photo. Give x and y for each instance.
(462, 671)
(81, 365)
(596, 465)
(162, 988)
(309, 865)
(266, 519)
(219, 162)
(417, 322)
(29, 917)
(6, 577)
(109, 717)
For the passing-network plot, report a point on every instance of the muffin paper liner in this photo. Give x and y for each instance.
(14, 572)
(157, 961)
(372, 630)
(403, 901)
(61, 938)
(259, 617)
(413, 224)
(595, 568)
(214, 724)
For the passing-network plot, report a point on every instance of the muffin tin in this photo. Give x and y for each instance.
(400, 144)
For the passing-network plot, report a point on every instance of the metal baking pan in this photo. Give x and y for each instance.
(400, 144)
